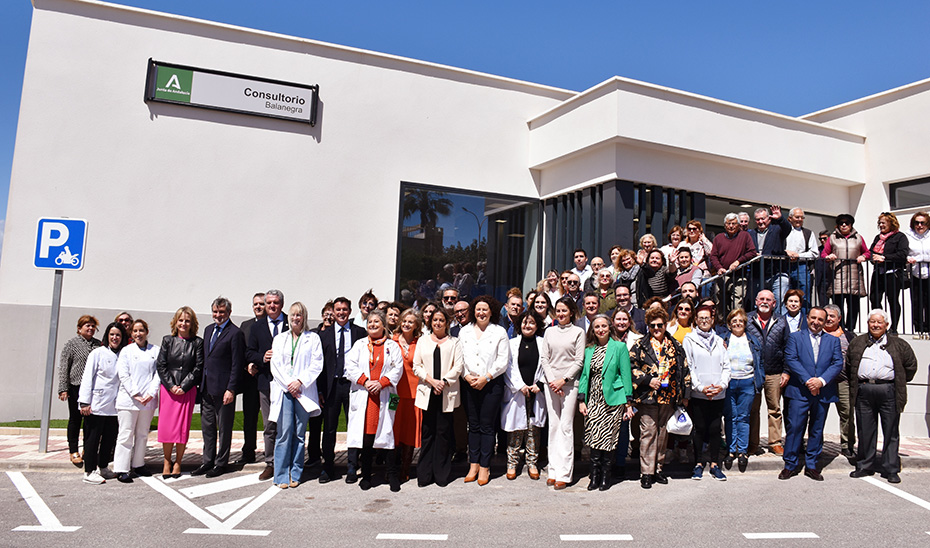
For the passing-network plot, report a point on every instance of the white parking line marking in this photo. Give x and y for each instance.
(215, 487)
(225, 509)
(895, 491)
(213, 525)
(763, 536)
(594, 538)
(48, 522)
(409, 536)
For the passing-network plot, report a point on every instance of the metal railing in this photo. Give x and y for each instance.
(901, 289)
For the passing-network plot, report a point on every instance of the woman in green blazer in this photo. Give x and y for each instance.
(604, 391)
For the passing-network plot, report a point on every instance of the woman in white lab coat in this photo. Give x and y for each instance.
(374, 366)
(136, 402)
(521, 421)
(296, 362)
(97, 400)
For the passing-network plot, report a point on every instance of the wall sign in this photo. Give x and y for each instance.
(212, 89)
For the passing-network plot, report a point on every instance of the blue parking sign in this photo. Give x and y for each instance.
(60, 244)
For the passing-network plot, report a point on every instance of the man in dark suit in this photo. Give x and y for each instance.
(248, 387)
(769, 239)
(223, 363)
(813, 361)
(258, 353)
(334, 390)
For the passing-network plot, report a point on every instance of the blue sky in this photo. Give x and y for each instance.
(791, 57)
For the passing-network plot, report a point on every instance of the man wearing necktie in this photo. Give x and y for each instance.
(259, 352)
(334, 391)
(813, 362)
(224, 361)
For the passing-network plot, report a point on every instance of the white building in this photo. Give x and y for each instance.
(186, 203)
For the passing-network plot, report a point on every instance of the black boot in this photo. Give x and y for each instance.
(596, 466)
(393, 475)
(367, 455)
(607, 459)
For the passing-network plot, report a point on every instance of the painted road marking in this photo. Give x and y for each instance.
(225, 509)
(213, 525)
(895, 491)
(47, 520)
(219, 486)
(763, 536)
(409, 536)
(594, 538)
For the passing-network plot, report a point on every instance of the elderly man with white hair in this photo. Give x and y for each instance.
(879, 366)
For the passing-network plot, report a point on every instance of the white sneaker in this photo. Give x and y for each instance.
(94, 478)
(106, 473)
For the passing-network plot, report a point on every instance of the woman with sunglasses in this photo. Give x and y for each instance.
(919, 256)
(698, 242)
(661, 381)
(847, 250)
(889, 256)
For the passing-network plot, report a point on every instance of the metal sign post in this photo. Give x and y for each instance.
(50, 361)
(55, 238)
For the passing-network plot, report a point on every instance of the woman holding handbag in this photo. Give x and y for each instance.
(661, 381)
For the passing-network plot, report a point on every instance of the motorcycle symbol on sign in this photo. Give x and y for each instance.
(65, 257)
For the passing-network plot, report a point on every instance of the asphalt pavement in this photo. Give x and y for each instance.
(50, 506)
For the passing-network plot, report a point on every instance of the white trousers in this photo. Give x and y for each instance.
(561, 433)
(132, 438)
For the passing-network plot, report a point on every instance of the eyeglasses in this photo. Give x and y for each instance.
(449, 299)
(656, 325)
(823, 238)
(921, 223)
(572, 282)
(684, 309)
(841, 223)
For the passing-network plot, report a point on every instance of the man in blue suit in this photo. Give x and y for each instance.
(223, 363)
(813, 362)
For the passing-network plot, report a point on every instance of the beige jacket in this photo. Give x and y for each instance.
(451, 368)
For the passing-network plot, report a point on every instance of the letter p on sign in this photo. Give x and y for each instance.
(60, 244)
(53, 235)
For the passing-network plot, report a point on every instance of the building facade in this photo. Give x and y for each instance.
(410, 168)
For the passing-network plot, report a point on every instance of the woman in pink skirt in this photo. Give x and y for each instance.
(180, 366)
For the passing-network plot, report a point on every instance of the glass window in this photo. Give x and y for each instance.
(477, 243)
(914, 193)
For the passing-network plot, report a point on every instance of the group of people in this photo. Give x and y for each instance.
(779, 254)
(620, 353)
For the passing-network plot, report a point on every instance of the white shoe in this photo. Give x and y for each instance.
(106, 473)
(94, 478)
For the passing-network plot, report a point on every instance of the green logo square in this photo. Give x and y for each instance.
(173, 84)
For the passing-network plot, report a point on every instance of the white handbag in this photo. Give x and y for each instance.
(679, 423)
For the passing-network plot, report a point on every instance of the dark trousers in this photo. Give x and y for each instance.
(216, 423)
(337, 402)
(887, 286)
(707, 417)
(368, 454)
(75, 418)
(483, 408)
(800, 412)
(849, 308)
(99, 441)
(250, 410)
(920, 304)
(435, 462)
(874, 403)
